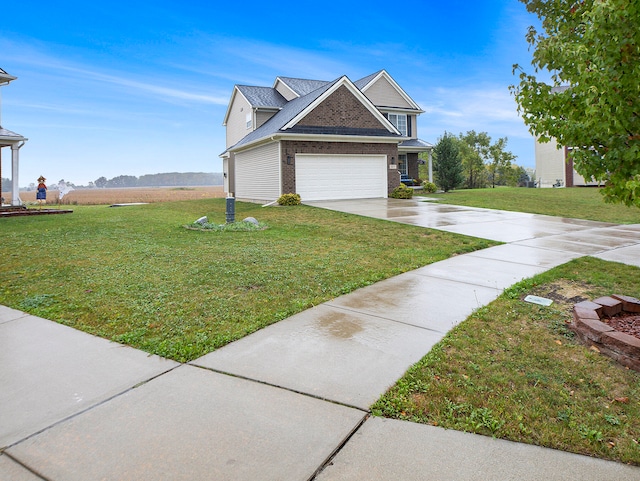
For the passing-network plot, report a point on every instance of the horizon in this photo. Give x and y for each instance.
(129, 88)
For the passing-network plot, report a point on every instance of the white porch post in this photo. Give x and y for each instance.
(430, 166)
(15, 185)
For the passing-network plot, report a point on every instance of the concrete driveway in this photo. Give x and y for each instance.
(580, 237)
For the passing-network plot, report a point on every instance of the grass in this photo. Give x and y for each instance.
(137, 276)
(513, 370)
(577, 203)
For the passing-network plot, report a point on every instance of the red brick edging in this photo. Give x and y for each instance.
(587, 324)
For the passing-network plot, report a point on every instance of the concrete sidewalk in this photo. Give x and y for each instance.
(290, 401)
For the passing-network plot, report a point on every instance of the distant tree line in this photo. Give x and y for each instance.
(6, 185)
(160, 180)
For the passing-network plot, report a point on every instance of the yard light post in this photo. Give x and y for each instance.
(231, 209)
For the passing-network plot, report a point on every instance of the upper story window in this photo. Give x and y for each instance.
(399, 121)
(249, 121)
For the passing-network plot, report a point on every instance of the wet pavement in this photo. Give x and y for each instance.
(290, 401)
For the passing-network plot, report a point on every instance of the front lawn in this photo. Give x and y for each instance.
(514, 371)
(135, 275)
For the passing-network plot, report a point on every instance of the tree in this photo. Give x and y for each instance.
(500, 160)
(100, 182)
(474, 149)
(592, 47)
(123, 181)
(447, 163)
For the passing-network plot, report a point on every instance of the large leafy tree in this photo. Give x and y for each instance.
(474, 149)
(499, 162)
(593, 48)
(447, 163)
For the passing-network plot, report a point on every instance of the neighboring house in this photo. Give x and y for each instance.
(554, 166)
(322, 140)
(15, 142)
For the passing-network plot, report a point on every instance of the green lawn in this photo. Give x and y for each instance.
(136, 276)
(513, 370)
(577, 203)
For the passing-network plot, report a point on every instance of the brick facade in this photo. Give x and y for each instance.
(341, 109)
(289, 149)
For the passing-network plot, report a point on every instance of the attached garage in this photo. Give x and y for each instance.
(329, 177)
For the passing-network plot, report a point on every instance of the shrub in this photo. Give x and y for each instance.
(402, 192)
(289, 199)
(429, 187)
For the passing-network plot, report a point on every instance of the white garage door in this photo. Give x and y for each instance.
(327, 177)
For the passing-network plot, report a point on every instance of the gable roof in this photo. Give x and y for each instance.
(296, 109)
(262, 96)
(300, 86)
(256, 97)
(367, 82)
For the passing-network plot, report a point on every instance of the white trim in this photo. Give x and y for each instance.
(343, 81)
(233, 96)
(403, 94)
(280, 167)
(317, 138)
(279, 80)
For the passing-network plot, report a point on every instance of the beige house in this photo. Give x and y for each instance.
(554, 166)
(321, 139)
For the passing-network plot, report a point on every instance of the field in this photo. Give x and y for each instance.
(125, 195)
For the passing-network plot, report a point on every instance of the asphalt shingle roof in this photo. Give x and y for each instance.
(309, 91)
(303, 86)
(288, 112)
(364, 81)
(262, 96)
(415, 143)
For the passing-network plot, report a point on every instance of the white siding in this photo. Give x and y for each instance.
(237, 120)
(257, 173)
(225, 174)
(579, 180)
(262, 116)
(383, 94)
(284, 90)
(550, 163)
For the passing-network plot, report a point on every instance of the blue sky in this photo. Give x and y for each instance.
(139, 87)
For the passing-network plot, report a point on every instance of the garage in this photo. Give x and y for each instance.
(329, 177)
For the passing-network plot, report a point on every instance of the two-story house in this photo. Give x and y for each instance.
(321, 139)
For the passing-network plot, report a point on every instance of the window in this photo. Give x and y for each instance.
(402, 164)
(249, 121)
(399, 121)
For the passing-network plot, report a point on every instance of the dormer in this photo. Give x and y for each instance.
(249, 108)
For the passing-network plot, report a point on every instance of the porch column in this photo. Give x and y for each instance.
(430, 166)
(15, 185)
